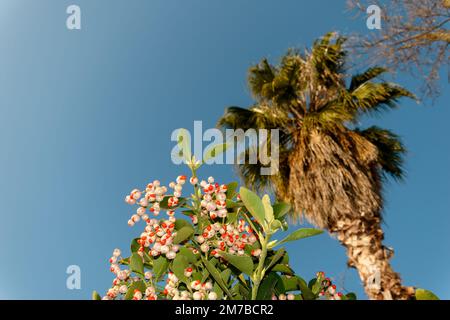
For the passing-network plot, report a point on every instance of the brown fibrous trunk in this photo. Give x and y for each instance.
(363, 239)
(334, 181)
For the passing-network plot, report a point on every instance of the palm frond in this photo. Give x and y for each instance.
(367, 75)
(391, 151)
(252, 177)
(373, 97)
(257, 117)
(236, 117)
(328, 59)
(260, 78)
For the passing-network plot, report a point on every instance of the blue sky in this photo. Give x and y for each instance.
(85, 116)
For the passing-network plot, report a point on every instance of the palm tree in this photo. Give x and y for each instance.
(329, 170)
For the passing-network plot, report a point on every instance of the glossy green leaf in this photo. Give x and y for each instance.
(268, 210)
(233, 204)
(160, 266)
(300, 234)
(275, 225)
(225, 275)
(280, 209)
(96, 296)
(134, 247)
(183, 234)
(276, 257)
(217, 277)
(350, 296)
(283, 268)
(243, 263)
(180, 223)
(253, 204)
(192, 258)
(164, 204)
(266, 289)
(179, 264)
(232, 217)
(422, 294)
(231, 190)
(139, 285)
(136, 264)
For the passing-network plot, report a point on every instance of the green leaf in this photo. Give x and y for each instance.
(307, 294)
(300, 234)
(179, 264)
(205, 275)
(184, 143)
(280, 209)
(213, 151)
(134, 245)
(96, 296)
(232, 217)
(290, 283)
(283, 268)
(295, 283)
(183, 234)
(275, 225)
(350, 296)
(148, 260)
(164, 204)
(232, 204)
(217, 277)
(268, 210)
(422, 294)
(231, 189)
(160, 266)
(139, 285)
(180, 223)
(249, 248)
(196, 276)
(267, 286)
(243, 263)
(225, 275)
(276, 257)
(279, 287)
(192, 258)
(253, 204)
(285, 259)
(136, 264)
(188, 213)
(316, 286)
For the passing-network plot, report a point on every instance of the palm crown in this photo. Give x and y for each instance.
(308, 97)
(329, 170)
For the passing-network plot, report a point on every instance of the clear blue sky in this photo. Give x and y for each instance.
(86, 115)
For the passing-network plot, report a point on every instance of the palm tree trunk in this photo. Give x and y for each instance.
(363, 239)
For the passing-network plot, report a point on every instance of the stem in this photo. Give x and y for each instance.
(260, 271)
(196, 189)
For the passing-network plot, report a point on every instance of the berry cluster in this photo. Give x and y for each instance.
(213, 201)
(123, 281)
(328, 289)
(151, 201)
(196, 290)
(227, 237)
(158, 238)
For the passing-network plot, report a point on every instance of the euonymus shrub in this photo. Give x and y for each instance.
(223, 248)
